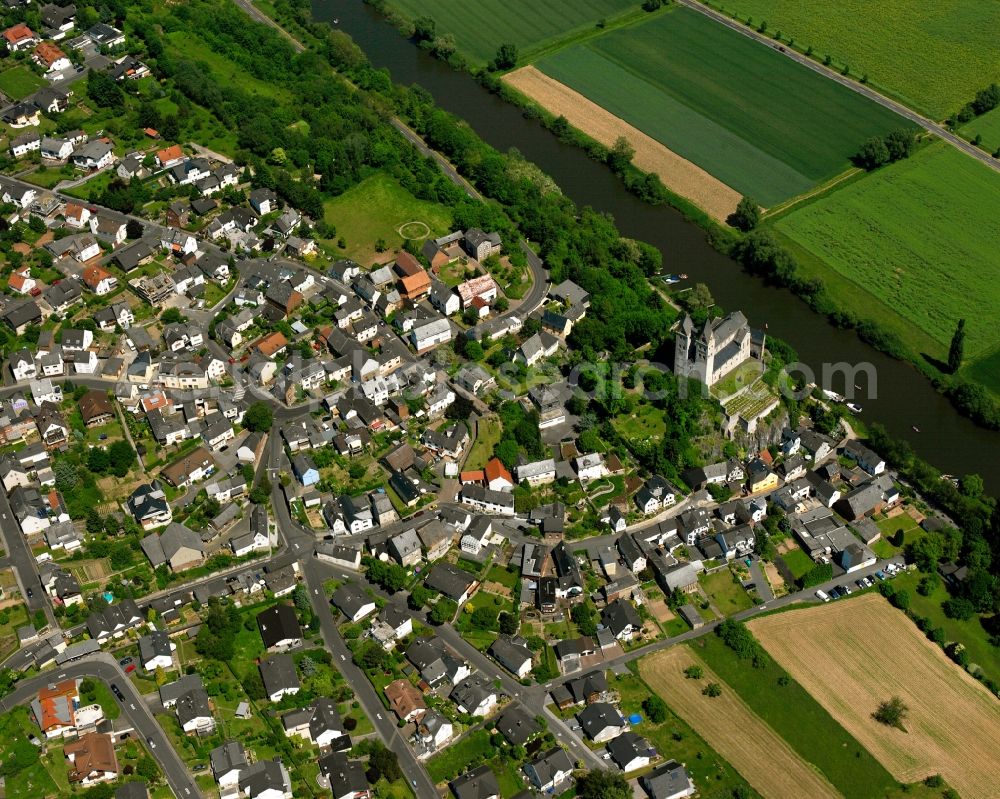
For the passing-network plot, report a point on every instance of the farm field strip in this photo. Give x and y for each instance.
(753, 118)
(480, 27)
(932, 57)
(919, 236)
(678, 174)
(855, 654)
(760, 755)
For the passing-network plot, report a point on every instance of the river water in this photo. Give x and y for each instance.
(904, 399)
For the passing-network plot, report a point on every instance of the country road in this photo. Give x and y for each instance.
(866, 91)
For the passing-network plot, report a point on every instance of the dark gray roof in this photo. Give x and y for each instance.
(278, 623)
(517, 725)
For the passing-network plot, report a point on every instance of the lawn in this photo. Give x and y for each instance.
(970, 633)
(752, 118)
(452, 761)
(644, 423)
(26, 775)
(798, 562)
(19, 82)
(913, 246)
(479, 28)
(727, 595)
(504, 576)
(792, 713)
(488, 431)
(375, 209)
(931, 56)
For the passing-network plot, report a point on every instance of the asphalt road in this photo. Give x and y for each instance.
(20, 557)
(103, 667)
(866, 91)
(383, 721)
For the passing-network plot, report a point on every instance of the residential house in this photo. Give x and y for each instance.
(279, 628)
(480, 783)
(178, 546)
(279, 676)
(91, 759)
(549, 771)
(475, 695)
(353, 602)
(601, 722)
(513, 653)
(405, 700)
(156, 651)
(669, 781)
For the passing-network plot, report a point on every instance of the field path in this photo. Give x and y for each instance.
(854, 654)
(730, 727)
(678, 174)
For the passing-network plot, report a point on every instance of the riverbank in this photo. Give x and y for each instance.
(844, 302)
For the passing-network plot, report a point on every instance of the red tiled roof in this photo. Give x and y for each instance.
(495, 469)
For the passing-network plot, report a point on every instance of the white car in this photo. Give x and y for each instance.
(823, 595)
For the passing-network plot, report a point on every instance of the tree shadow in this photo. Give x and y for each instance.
(937, 363)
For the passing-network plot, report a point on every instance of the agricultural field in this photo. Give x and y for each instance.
(852, 655)
(479, 28)
(913, 246)
(755, 120)
(786, 707)
(730, 727)
(378, 208)
(931, 56)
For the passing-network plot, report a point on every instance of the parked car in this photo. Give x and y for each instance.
(845, 589)
(823, 595)
(860, 584)
(117, 692)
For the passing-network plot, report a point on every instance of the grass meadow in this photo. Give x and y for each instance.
(376, 209)
(933, 57)
(18, 82)
(987, 126)
(792, 713)
(919, 239)
(480, 27)
(757, 121)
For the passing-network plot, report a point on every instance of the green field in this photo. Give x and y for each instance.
(727, 595)
(970, 633)
(987, 126)
(19, 82)
(453, 760)
(480, 27)
(798, 562)
(757, 121)
(800, 720)
(931, 56)
(375, 209)
(914, 247)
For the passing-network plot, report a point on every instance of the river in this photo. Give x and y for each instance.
(904, 398)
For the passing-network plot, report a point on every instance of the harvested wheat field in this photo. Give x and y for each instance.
(853, 655)
(756, 751)
(679, 175)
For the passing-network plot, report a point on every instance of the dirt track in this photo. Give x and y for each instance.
(679, 175)
(756, 751)
(853, 655)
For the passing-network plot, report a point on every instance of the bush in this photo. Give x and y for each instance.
(656, 709)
